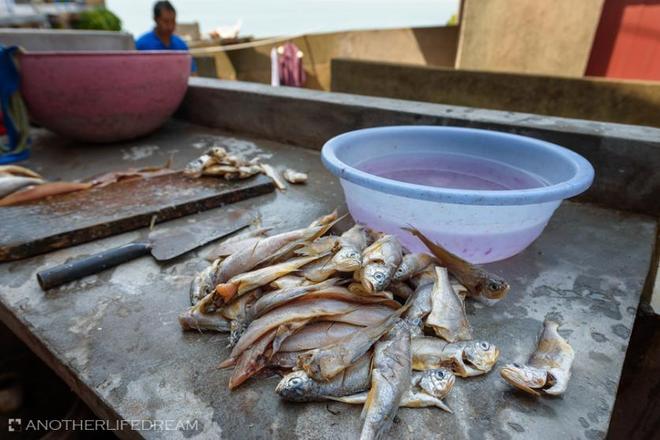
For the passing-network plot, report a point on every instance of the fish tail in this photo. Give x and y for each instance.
(443, 406)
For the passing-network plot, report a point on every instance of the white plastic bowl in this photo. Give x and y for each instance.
(492, 193)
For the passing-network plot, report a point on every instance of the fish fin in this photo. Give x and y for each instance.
(371, 396)
(229, 362)
(444, 256)
(326, 227)
(353, 399)
(286, 330)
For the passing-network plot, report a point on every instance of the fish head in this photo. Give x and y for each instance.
(376, 277)
(401, 272)
(295, 386)
(236, 328)
(481, 355)
(494, 287)
(347, 260)
(437, 382)
(525, 377)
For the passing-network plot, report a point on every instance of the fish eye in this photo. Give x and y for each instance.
(493, 285)
(484, 345)
(517, 365)
(440, 374)
(295, 381)
(379, 276)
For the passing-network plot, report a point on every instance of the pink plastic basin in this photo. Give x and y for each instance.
(103, 96)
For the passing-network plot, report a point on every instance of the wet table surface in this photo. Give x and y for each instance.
(115, 339)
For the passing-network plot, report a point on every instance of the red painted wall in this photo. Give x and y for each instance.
(627, 41)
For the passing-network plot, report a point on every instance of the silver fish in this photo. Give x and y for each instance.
(420, 307)
(240, 284)
(204, 283)
(437, 382)
(379, 262)
(325, 363)
(465, 358)
(299, 387)
(411, 264)
(482, 285)
(319, 270)
(288, 281)
(236, 243)
(390, 379)
(548, 369)
(196, 318)
(447, 318)
(318, 334)
(353, 242)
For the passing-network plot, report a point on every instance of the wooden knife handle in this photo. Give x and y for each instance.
(83, 267)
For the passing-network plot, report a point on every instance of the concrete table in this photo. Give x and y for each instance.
(115, 339)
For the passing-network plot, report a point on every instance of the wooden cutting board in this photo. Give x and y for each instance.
(70, 219)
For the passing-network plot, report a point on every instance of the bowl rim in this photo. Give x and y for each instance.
(104, 53)
(581, 180)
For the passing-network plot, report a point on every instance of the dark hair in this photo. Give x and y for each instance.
(163, 5)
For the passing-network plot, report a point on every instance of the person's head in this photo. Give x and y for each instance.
(165, 18)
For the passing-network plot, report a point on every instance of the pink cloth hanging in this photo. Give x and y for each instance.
(291, 71)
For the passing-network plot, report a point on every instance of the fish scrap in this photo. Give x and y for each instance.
(548, 369)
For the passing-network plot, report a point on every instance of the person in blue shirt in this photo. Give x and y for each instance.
(162, 36)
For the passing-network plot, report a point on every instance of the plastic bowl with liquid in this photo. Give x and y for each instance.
(484, 195)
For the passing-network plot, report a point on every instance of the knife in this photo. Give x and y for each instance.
(163, 245)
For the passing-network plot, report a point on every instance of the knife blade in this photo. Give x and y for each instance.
(163, 245)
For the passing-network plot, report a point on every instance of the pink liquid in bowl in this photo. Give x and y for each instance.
(450, 170)
(481, 244)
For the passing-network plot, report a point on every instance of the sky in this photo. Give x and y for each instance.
(264, 18)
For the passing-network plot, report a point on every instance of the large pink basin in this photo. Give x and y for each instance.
(103, 96)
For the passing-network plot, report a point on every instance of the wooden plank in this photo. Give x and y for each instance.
(71, 219)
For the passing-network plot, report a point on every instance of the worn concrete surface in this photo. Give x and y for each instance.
(595, 99)
(551, 37)
(626, 157)
(115, 339)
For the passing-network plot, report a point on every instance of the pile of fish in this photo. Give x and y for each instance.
(218, 162)
(355, 318)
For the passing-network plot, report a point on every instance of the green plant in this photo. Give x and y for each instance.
(98, 19)
(453, 20)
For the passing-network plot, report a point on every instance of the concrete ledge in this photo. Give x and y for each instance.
(597, 99)
(626, 157)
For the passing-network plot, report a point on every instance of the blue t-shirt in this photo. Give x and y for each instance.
(150, 41)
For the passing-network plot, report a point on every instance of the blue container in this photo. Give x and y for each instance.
(482, 194)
